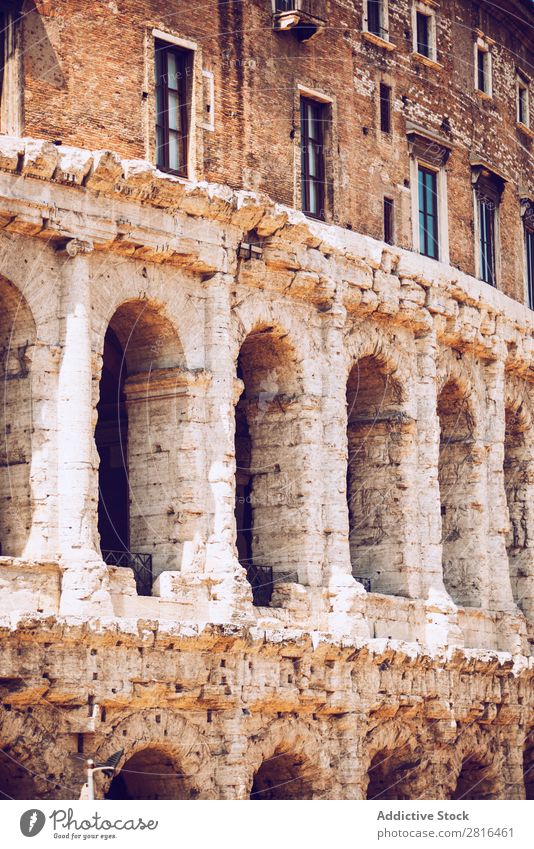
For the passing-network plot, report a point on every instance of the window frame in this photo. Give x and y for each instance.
(483, 48)
(319, 180)
(487, 215)
(183, 60)
(420, 8)
(432, 152)
(386, 114)
(522, 85)
(383, 11)
(389, 220)
(433, 172)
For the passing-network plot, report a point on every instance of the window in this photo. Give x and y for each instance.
(173, 72)
(389, 235)
(385, 108)
(313, 116)
(376, 18)
(423, 34)
(488, 190)
(522, 101)
(529, 247)
(528, 223)
(424, 30)
(483, 67)
(428, 212)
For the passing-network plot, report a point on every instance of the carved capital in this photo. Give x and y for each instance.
(75, 247)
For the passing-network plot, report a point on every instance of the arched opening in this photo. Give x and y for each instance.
(142, 403)
(283, 776)
(528, 765)
(391, 775)
(270, 527)
(475, 781)
(458, 475)
(150, 774)
(378, 437)
(17, 335)
(519, 486)
(16, 780)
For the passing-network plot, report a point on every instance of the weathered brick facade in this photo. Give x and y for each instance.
(365, 410)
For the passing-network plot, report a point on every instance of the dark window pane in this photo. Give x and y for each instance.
(374, 17)
(172, 114)
(385, 108)
(522, 105)
(423, 34)
(389, 237)
(428, 213)
(312, 118)
(529, 239)
(481, 69)
(486, 209)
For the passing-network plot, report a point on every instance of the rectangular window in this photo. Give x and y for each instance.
(389, 235)
(375, 23)
(173, 67)
(522, 102)
(483, 70)
(313, 116)
(486, 225)
(385, 108)
(529, 246)
(428, 212)
(423, 34)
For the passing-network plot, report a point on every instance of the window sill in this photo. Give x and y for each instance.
(524, 129)
(483, 95)
(424, 60)
(377, 40)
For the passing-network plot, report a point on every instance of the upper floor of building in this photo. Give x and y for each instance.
(409, 121)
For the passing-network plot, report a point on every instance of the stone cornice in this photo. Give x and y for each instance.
(129, 208)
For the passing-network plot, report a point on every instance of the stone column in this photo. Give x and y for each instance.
(441, 619)
(500, 594)
(232, 594)
(346, 596)
(84, 572)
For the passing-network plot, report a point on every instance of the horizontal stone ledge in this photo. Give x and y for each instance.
(165, 383)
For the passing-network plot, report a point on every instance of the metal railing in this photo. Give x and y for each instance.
(141, 564)
(261, 580)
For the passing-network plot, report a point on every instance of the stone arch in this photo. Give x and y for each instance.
(396, 765)
(460, 477)
(518, 470)
(381, 446)
(276, 431)
(142, 403)
(164, 746)
(17, 338)
(286, 764)
(472, 768)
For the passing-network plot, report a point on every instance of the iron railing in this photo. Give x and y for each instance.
(366, 582)
(261, 580)
(141, 564)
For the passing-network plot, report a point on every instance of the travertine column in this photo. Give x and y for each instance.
(233, 595)
(84, 569)
(347, 597)
(500, 594)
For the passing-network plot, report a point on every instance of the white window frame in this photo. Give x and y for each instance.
(385, 19)
(482, 44)
(443, 207)
(497, 246)
(425, 9)
(192, 46)
(522, 84)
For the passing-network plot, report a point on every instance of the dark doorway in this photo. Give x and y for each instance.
(112, 445)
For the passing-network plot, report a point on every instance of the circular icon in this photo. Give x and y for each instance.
(32, 822)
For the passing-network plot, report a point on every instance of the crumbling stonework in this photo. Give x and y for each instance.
(315, 459)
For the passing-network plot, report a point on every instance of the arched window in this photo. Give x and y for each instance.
(460, 501)
(270, 525)
(283, 776)
(17, 335)
(138, 441)
(378, 439)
